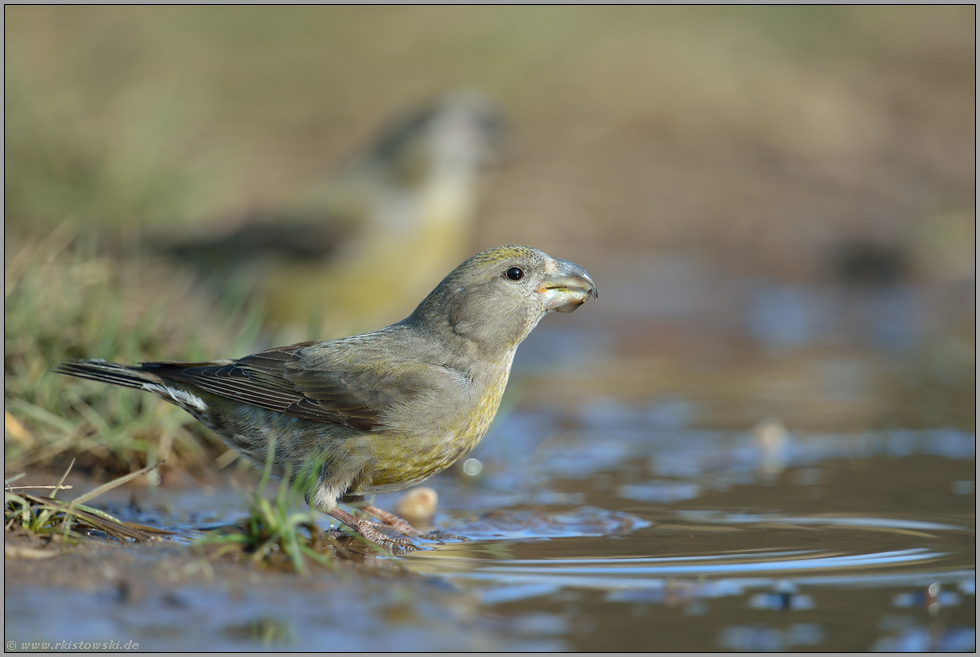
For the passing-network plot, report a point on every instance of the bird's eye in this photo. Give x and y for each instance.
(515, 273)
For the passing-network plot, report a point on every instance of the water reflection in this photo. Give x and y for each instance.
(524, 454)
(703, 573)
(742, 571)
(764, 639)
(935, 638)
(932, 598)
(785, 596)
(745, 527)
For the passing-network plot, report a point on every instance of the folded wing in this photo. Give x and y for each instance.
(291, 381)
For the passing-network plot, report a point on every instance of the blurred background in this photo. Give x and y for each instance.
(761, 436)
(777, 203)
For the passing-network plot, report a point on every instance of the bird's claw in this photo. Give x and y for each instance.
(371, 532)
(402, 526)
(441, 536)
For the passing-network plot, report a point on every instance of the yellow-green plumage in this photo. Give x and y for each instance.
(400, 464)
(379, 411)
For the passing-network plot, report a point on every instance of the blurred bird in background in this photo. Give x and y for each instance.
(357, 251)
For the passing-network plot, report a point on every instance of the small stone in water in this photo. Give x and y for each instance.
(418, 505)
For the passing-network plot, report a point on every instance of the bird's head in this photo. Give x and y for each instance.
(496, 297)
(456, 136)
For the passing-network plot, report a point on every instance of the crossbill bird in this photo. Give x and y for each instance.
(381, 411)
(350, 242)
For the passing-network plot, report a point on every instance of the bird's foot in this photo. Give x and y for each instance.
(402, 526)
(440, 535)
(397, 523)
(370, 531)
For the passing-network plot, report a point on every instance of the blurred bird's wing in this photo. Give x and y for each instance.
(280, 380)
(289, 238)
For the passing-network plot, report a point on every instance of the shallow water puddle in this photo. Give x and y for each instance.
(844, 542)
(607, 528)
(683, 584)
(741, 569)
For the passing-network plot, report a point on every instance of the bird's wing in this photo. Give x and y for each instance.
(294, 237)
(320, 389)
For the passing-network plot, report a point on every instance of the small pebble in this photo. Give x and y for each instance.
(418, 505)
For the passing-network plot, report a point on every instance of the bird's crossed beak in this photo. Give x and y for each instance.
(566, 286)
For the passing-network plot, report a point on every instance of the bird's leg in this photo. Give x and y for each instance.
(401, 525)
(367, 529)
(397, 523)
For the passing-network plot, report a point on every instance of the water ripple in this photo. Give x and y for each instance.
(731, 573)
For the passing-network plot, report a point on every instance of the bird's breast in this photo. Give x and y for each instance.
(406, 456)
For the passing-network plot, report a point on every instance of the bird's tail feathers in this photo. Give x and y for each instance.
(106, 372)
